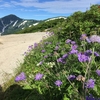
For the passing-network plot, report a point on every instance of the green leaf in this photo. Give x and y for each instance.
(27, 87)
(95, 88)
(65, 98)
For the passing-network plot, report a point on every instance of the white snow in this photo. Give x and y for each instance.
(56, 18)
(22, 23)
(15, 23)
(30, 26)
(35, 24)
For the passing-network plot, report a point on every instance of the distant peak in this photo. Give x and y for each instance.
(12, 16)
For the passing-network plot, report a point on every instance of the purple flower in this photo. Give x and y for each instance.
(74, 47)
(73, 42)
(65, 56)
(71, 77)
(88, 40)
(83, 37)
(20, 77)
(30, 47)
(95, 38)
(43, 51)
(25, 53)
(57, 47)
(73, 51)
(61, 60)
(35, 45)
(38, 76)
(90, 97)
(58, 83)
(46, 56)
(83, 58)
(98, 72)
(90, 83)
(96, 54)
(68, 41)
(88, 52)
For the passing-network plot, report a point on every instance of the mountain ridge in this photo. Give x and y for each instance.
(11, 23)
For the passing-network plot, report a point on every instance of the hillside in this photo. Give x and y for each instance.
(47, 24)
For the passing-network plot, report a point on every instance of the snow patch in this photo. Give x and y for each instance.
(35, 24)
(22, 23)
(30, 26)
(15, 23)
(55, 18)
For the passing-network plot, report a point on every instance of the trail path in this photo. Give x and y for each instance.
(12, 48)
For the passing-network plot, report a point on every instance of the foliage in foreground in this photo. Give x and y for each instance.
(63, 70)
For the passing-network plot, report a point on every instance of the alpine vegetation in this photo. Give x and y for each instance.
(63, 70)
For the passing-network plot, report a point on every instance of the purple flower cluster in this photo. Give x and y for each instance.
(73, 51)
(58, 83)
(68, 41)
(95, 38)
(73, 48)
(82, 57)
(38, 76)
(20, 77)
(89, 53)
(90, 83)
(35, 45)
(63, 59)
(30, 47)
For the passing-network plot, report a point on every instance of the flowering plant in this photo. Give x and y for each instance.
(66, 70)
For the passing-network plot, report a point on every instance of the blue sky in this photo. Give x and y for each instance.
(43, 9)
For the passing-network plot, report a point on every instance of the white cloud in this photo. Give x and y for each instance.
(6, 4)
(56, 6)
(29, 1)
(26, 10)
